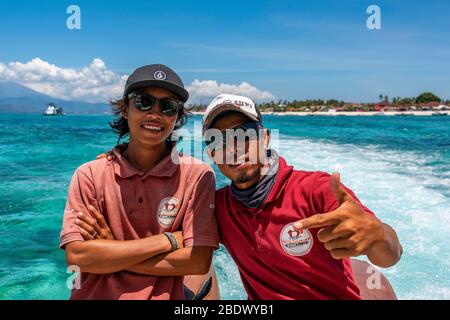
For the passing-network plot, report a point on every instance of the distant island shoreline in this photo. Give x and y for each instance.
(426, 104)
(351, 113)
(287, 113)
(17, 99)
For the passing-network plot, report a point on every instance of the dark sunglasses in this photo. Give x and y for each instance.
(256, 126)
(145, 102)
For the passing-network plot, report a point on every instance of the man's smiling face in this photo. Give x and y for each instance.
(150, 127)
(242, 172)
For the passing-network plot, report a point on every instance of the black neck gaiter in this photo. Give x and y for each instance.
(255, 196)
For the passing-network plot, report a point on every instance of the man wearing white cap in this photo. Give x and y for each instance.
(291, 233)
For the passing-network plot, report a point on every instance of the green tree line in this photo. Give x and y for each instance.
(320, 104)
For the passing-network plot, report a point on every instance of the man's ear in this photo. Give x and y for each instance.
(125, 110)
(266, 138)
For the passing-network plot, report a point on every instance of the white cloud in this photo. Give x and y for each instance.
(211, 88)
(95, 83)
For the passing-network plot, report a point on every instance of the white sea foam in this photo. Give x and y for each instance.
(404, 193)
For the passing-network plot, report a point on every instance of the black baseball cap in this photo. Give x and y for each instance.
(159, 76)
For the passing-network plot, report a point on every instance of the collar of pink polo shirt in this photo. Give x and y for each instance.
(165, 168)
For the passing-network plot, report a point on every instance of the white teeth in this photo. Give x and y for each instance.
(152, 127)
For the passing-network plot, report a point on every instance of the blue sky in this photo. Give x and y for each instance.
(294, 49)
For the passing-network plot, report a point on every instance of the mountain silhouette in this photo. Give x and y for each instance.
(16, 98)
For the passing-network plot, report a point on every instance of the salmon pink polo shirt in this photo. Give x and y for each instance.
(174, 195)
(275, 261)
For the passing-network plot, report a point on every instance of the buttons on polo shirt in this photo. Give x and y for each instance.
(140, 195)
(258, 226)
(261, 243)
(139, 206)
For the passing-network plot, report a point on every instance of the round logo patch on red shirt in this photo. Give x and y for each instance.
(295, 243)
(167, 211)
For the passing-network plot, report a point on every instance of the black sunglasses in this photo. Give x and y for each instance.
(256, 126)
(145, 102)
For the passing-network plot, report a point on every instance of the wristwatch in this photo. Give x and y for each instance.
(172, 239)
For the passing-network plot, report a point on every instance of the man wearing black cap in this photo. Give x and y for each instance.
(157, 76)
(136, 224)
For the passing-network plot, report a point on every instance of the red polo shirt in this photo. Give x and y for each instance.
(275, 261)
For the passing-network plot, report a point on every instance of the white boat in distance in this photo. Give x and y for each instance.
(53, 110)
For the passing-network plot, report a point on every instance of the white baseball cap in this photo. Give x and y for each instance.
(230, 102)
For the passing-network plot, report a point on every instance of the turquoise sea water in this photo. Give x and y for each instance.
(398, 166)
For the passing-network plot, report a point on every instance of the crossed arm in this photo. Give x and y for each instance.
(101, 254)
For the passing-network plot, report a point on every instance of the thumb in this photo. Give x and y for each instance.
(337, 189)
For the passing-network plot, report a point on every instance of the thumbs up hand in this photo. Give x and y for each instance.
(347, 231)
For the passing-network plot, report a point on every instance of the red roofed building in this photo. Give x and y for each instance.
(382, 106)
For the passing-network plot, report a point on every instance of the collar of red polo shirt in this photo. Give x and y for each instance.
(283, 175)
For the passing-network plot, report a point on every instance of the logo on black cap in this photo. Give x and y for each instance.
(159, 75)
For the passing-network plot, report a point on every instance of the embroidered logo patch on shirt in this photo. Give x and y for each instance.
(167, 211)
(295, 243)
